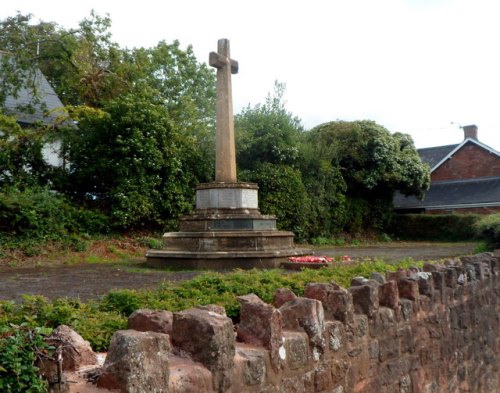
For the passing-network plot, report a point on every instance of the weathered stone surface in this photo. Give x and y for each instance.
(320, 291)
(308, 315)
(379, 277)
(145, 320)
(339, 305)
(358, 281)
(389, 295)
(137, 362)
(365, 299)
(261, 324)
(450, 276)
(187, 376)
(214, 308)
(335, 335)
(252, 365)
(208, 338)
(408, 289)
(283, 295)
(297, 349)
(395, 276)
(425, 284)
(75, 351)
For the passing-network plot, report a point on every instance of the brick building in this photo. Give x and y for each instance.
(465, 178)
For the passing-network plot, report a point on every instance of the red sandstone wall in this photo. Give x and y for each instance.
(434, 331)
(469, 162)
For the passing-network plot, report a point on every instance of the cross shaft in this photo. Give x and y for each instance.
(225, 152)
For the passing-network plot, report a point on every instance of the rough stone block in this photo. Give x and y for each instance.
(75, 351)
(408, 289)
(395, 276)
(450, 276)
(389, 295)
(187, 376)
(425, 284)
(339, 306)
(283, 295)
(365, 299)
(428, 267)
(145, 320)
(383, 322)
(406, 309)
(439, 284)
(251, 362)
(461, 275)
(308, 315)
(137, 362)
(335, 335)
(378, 277)
(208, 338)
(320, 291)
(388, 349)
(296, 349)
(260, 324)
(322, 379)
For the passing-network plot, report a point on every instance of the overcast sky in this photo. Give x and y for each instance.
(423, 67)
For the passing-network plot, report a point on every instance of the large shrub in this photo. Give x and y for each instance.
(488, 228)
(40, 214)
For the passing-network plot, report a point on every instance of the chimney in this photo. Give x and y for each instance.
(470, 132)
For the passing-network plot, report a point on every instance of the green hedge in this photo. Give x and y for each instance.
(488, 228)
(444, 227)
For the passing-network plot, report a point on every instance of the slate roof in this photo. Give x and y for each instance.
(47, 111)
(449, 194)
(433, 155)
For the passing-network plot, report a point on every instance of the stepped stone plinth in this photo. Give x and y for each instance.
(220, 236)
(227, 229)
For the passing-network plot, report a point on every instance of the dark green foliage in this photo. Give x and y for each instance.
(445, 227)
(38, 215)
(132, 163)
(352, 170)
(372, 161)
(267, 133)
(488, 228)
(282, 193)
(21, 159)
(19, 348)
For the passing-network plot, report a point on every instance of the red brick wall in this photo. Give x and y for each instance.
(470, 162)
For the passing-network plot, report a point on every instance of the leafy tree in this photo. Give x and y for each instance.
(146, 118)
(80, 64)
(267, 132)
(374, 164)
(131, 161)
(372, 161)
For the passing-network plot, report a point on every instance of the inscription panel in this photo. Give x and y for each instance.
(227, 198)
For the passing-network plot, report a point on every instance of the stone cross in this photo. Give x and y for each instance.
(225, 152)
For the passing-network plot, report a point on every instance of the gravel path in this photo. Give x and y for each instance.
(86, 281)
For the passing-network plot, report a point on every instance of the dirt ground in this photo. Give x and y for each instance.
(87, 280)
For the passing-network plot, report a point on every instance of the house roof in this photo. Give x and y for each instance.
(46, 111)
(435, 156)
(452, 194)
